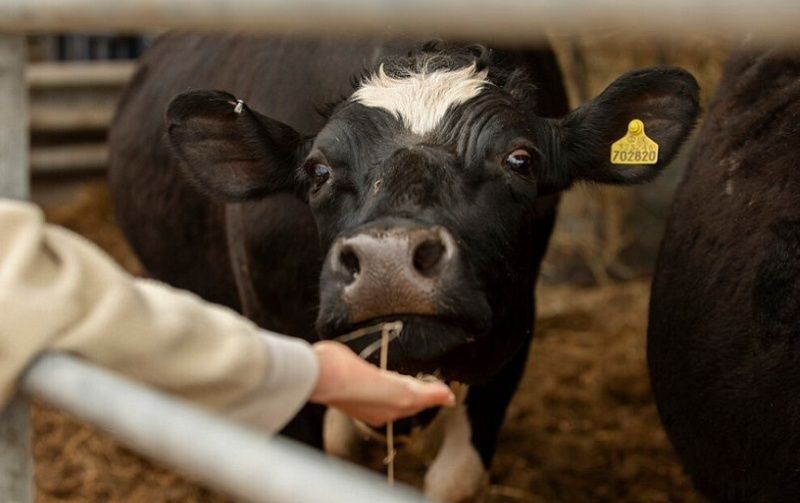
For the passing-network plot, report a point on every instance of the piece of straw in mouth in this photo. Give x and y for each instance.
(384, 360)
(389, 331)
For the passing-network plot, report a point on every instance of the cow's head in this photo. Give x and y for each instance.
(424, 183)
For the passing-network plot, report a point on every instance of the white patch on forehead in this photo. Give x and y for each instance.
(420, 100)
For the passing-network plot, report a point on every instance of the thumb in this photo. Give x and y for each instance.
(431, 393)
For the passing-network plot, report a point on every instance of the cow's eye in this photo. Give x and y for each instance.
(319, 173)
(520, 160)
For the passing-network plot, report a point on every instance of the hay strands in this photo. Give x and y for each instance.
(389, 331)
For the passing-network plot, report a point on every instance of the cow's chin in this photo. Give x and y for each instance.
(444, 348)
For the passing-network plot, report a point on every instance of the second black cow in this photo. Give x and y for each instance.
(724, 335)
(324, 185)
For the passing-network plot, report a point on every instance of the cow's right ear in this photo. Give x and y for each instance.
(229, 151)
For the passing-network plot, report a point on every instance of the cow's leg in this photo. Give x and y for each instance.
(457, 473)
(460, 472)
(342, 437)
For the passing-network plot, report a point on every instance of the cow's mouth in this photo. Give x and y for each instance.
(424, 346)
(440, 346)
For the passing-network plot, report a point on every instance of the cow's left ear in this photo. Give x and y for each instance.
(665, 100)
(230, 151)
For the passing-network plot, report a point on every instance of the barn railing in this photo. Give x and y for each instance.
(229, 457)
(16, 473)
(68, 101)
(242, 463)
(514, 20)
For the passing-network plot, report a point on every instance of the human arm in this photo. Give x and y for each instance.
(60, 292)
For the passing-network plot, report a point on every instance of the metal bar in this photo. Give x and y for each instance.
(16, 465)
(230, 458)
(516, 20)
(16, 473)
(69, 158)
(57, 115)
(13, 119)
(81, 75)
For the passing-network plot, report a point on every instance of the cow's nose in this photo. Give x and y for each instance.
(396, 271)
(430, 255)
(423, 252)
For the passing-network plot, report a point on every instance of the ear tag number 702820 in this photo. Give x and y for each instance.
(635, 147)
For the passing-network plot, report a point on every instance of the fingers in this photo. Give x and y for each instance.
(432, 393)
(369, 394)
(392, 397)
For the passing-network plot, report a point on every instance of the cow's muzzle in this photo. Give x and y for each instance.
(389, 272)
(403, 271)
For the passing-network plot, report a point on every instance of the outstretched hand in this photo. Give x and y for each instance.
(369, 394)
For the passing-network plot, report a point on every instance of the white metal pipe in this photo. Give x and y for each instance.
(82, 74)
(16, 466)
(13, 119)
(516, 20)
(235, 460)
(69, 158)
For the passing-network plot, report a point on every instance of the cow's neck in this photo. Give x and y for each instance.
(251, 306)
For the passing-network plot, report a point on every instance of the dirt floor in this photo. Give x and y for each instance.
(583, 426)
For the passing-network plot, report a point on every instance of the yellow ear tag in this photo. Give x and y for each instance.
(635, 147)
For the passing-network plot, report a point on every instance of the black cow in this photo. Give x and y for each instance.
(389, 181)
(724, 335)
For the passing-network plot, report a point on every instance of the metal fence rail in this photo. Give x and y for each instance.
(71, 107)
(240, 462)
(516, 20)
(16, 474)
(13, 119)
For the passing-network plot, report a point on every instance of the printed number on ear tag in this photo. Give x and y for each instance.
(635, 147)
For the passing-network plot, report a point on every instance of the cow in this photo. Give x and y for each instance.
(724, 331)
(324, 185)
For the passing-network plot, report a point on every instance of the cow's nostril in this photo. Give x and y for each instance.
(349, 261)
(427, 256)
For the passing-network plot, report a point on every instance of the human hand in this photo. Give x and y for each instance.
(367, 393)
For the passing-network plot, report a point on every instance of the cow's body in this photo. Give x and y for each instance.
(188, 248)
(469, 181)
(724, 335)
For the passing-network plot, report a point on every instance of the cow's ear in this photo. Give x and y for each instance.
(229, 151)
(664, 100)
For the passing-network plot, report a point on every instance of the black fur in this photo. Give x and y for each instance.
(724, 334)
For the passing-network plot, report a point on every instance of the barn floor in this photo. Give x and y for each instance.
(583, 426)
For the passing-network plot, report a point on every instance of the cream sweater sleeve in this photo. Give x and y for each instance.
(60, 292)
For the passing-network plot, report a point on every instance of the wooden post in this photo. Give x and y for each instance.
(16, 466)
